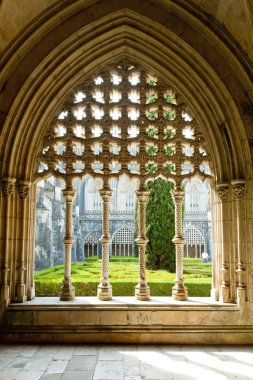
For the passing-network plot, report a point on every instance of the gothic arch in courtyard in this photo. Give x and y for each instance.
(123, 242)
(174, 41)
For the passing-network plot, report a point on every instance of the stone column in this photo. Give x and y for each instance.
(238, 188)
(67, 289)
(104, 288)
(222, 191)
(31, 247)
(179, 291)
(142, 291)
(23, 189)
(8, 186)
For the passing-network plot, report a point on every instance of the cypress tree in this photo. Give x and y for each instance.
(160, 226)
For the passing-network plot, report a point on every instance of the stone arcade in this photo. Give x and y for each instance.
(109, 88)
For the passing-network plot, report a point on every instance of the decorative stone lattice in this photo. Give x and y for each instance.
(124, 120)
(193, 236)
(123, 242)
(91, 244)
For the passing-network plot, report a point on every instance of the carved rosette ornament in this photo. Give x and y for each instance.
(222, 191)
(238, 188)
(8, 186)
(124, 120)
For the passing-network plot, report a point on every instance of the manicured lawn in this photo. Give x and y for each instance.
(124, 274)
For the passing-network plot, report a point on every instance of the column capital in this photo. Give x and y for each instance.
(23, 188)
(69, 194)
(105, 193)
(222, 191)
(238, 188)
(178, 195)
(8, 185)
(142, 195)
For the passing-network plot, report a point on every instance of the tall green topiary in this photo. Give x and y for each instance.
(160, 226)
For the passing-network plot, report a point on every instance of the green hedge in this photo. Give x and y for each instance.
(123, 288)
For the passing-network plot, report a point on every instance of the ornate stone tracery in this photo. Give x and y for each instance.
(125, 120)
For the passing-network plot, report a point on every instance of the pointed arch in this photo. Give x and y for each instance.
(123, 241)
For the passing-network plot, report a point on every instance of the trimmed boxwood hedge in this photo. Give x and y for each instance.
(201, 288)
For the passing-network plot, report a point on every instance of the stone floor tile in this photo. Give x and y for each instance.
(111, 353)
(77, 375)
(51, 376)
(82, 363)
(57, 366)
(65, 353)
(38, 362)
(48, 349)
(5, 359)
(9, 374)
(131, 368)
(19, 362)
(86, 350)
(29, 351)
(28, 375)
(155, 372)
(109, 370)
(133, 378)
(11, 348)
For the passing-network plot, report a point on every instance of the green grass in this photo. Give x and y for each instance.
(124, 273)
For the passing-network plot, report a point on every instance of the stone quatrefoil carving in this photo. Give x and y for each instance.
(124, 120)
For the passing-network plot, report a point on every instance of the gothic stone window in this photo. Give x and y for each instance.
(124, 120)
(123, 242)
(194, 239)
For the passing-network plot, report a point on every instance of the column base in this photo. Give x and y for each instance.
(142, 292)
(241, 294)
(225, 297)
(215, 294)
(67, 291)
(179, 292)
(30, 294)
(104, 292)
(21, 296)
(5, 294)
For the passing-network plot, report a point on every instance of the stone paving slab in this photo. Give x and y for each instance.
(118, 362)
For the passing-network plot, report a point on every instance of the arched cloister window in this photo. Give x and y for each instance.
(124, 120)
(194, 238)
(91, 245)
(123, 242)
(92, 199)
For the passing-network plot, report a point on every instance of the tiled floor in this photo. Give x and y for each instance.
(83, 362)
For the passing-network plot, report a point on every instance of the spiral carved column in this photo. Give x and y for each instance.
(179, 291)
(67, 289)
(104, 288)
(142, 291)
(238, 187)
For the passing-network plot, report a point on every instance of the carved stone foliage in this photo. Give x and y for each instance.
(222, 191)
(124, 120)
(8, 186)
(238, 188)
(23, 189)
